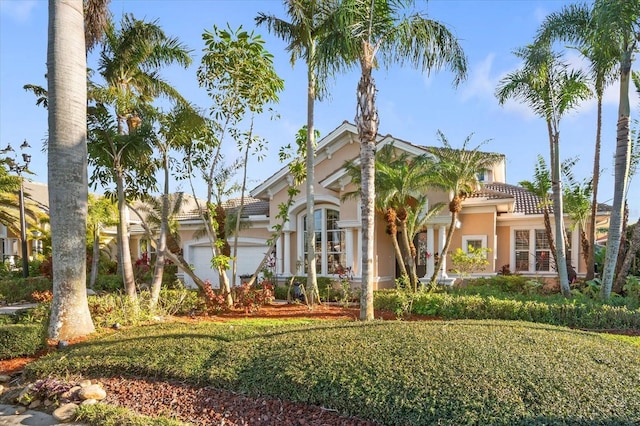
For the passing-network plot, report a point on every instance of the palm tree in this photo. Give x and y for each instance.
(67, 159)
(124, 159)
(577, 24)
(618, 23)
(550, 89)
(541, 187)
(370, 33)
(131, 58)
(457, 173)
(302, 35)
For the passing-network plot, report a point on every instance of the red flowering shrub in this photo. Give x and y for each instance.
(215, 301)
(251, 299)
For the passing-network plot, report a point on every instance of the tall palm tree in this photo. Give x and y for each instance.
(577, 24)
(67, 159)
(379, 32)
(618, 23)
(457, 173)
(302, 35)
(550, 89)
(130, 61)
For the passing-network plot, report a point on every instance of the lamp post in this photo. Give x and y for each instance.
(18, 168)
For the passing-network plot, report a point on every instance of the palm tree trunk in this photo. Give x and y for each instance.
(558, 217)
(634, 246)
(312, 280)
(67, 169)
(123, 233)
(161, 249)
(594, 201)
(408, 258)
(367, 123)
(549, 231)
(622, 157)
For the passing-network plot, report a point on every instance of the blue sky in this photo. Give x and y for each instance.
(411, 105)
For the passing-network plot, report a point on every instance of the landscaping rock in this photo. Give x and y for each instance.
(4, 378)
(65, 413)
(92, 392)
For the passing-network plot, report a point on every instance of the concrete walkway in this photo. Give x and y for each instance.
(8, 417)
(12, 309)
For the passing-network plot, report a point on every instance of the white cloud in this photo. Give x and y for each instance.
(19, 10)
(480, 84)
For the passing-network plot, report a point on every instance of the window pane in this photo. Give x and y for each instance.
(542, 260)
(522, 240)
(542, 242)
(476, 244)
(522, 261)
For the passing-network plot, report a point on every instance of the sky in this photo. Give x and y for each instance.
(412, 105)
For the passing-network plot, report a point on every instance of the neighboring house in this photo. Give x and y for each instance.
(36, 202)
(504, 218)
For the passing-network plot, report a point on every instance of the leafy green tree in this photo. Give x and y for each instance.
(131, 59)
(67, 159)
(238, 74)
(578, 25)
(547, 85)
(372, 33)
(577, 204)
(457, 173)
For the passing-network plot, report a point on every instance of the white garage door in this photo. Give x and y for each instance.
(249, 257)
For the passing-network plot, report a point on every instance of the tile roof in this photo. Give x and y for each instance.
(251, 207)
(525, 202)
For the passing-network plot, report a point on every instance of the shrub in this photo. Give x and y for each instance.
(105, 414)
(215, 301)
(109, 283)
(251, 299)
(180, 302)
(21, 340)
(112, 308)
(20, 289)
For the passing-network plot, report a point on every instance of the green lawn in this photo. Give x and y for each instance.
(439, 372)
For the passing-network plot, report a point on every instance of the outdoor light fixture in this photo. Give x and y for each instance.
(18, 169)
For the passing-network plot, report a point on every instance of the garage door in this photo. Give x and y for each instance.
(249, 257)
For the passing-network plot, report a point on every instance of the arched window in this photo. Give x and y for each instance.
(330, 240)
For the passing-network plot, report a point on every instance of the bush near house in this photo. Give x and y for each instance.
(13, 290)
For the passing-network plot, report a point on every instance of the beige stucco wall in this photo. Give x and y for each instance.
(476, 224)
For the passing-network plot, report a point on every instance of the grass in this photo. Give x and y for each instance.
(440, 372)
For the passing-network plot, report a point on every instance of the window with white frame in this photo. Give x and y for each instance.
(330, 241)
(475, 241)
(532, 251)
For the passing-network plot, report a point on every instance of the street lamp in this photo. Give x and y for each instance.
(18, 168)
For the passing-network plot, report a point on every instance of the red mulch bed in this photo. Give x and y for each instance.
(208, 406)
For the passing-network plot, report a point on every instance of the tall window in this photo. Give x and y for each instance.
(329, 248)
(532, 251)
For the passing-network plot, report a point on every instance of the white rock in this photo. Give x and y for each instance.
(65, 413)
(85, 383)
(89, 402)
(4, 378)
(92, 392)
(1, 389)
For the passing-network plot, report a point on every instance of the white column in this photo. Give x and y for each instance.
(358, 256)
(286, 255)
(348, 247)
(430, 250)
(442, 238)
